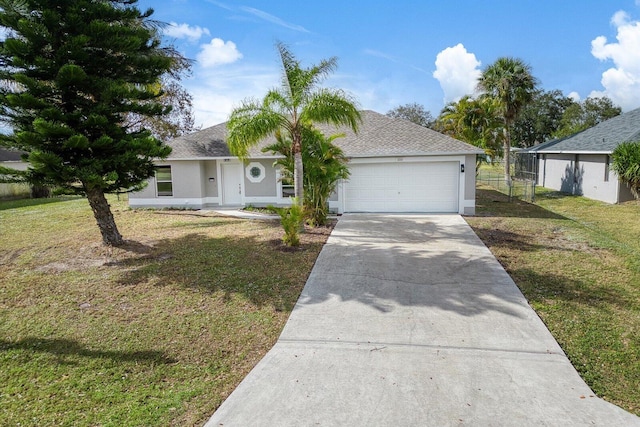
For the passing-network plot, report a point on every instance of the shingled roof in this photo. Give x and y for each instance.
(602, 138)
(7, 155)
(378, 136)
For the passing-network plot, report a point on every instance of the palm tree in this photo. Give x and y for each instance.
(475, 121)
(296, 104)
(324, 166)
(510, 82)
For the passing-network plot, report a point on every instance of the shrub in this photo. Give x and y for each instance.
(324, 166)
(626, 163)
(292, 220)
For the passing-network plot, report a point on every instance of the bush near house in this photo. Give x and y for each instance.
(626, 163)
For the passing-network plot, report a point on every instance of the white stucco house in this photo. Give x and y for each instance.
(581, 164)
(395, 166)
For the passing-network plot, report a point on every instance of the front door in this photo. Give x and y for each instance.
(231, 184)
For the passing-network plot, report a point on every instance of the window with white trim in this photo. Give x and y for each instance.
(164, 183)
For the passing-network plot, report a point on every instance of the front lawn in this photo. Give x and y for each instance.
(156, 333)
(577, 261)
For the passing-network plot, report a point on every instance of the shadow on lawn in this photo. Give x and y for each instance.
(544, 287)
(21, 203)
(492, 203)
(62, 348)
(257, 268)
(400, 271)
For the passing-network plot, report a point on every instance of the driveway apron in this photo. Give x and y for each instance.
(409, 320)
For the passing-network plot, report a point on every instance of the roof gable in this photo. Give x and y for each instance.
(378, 136)
(601, 138)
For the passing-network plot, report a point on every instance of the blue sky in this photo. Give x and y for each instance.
(397, 52)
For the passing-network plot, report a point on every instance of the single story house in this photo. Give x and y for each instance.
(395, 166)
(581, 164)
(12, 159)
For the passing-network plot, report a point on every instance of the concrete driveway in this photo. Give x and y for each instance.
(410, 321)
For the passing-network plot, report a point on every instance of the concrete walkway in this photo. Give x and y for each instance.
(411, 321)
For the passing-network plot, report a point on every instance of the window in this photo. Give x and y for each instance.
(607, 160)
(164, 183)
(255, 172)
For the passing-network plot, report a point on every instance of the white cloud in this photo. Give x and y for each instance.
(457, 71)
(622, 82)
(218, 52)
(217, 91)
(273, 19)
(575, 95)
(184, 31)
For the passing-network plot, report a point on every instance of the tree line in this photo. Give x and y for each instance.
(549, 115)
(511, 111)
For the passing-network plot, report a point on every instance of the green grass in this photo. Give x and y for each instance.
(161, 331)
(156, 333)
(576, 261)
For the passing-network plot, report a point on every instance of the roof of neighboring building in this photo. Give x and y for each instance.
(601, 138)
(378, 136)
(7, 155)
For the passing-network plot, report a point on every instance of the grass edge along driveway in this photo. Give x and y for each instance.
(577, 262)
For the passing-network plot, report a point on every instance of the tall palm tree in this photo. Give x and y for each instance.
(509, 80)
(296, 104)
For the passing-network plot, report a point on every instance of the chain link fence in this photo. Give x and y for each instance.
(523, 177)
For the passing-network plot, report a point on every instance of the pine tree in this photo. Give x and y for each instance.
(72, 72)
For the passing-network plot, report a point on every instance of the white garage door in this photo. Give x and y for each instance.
(403, 187)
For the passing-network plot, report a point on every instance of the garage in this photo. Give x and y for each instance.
(424, 186)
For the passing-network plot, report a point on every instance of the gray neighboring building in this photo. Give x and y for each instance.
(395, 165)
(581, 164)
(12, 159)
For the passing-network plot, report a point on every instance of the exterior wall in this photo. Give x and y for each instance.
(187, 182)
(20, 166)
(14, 189)
(210, 178)
(469, 203)
(585, 175)
(624, 194)
(147, 192)
(187, 179)
(267, 187)
(197, 184)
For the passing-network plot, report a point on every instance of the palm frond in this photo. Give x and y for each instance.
(250, 123)
(333, 106)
